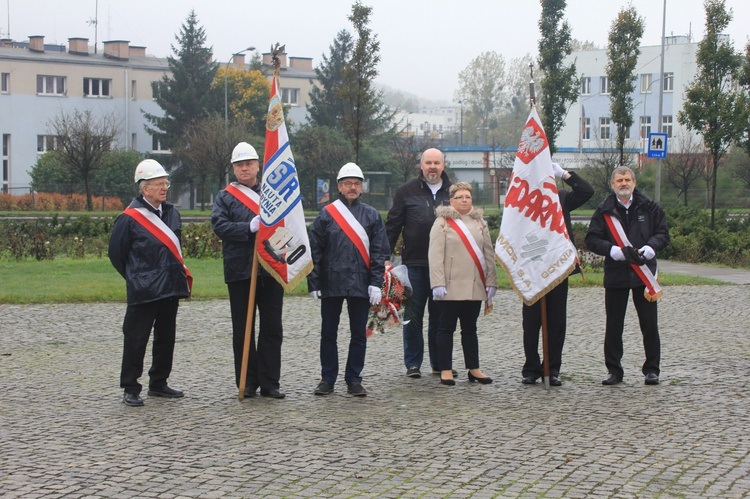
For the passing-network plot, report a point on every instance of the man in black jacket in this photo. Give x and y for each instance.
(412, 216)
(145, 249)
(349, 249)
(640, 226)
(557, 298)
(235, 220)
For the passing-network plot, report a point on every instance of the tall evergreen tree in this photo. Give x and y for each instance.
(714, 105)
(186, 95)
(326, 108)
(560, 83)
(622, 56)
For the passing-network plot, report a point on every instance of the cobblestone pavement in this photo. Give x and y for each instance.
(65, 432)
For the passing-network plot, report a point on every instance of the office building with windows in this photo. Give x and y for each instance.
(588, 127)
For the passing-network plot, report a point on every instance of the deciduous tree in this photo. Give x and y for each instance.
(560, 83)
(713, 105)
(622, 56)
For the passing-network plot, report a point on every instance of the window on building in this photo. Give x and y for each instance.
(646, 83)
(645, 126)
(666, 125)
(585, 85)
(5, 83)
(668, 82)
(605, 128)
(97, 87)
(46, 143)
(156, 145)
(6, 161)
(133, 90)
(586, 132)
(290, 96)
(604, 85)
(50, 85)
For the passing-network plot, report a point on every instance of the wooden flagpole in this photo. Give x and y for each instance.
(545, 353)
(249, 336)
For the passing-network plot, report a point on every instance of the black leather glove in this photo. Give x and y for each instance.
(632, 255)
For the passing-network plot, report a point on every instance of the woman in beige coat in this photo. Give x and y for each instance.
(462, 276)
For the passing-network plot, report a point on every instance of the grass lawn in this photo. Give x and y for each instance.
(67, 280)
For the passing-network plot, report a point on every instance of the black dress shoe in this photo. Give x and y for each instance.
(529, 380)
(555, 381)
(274, 393)
(611, 379)
(449, 382)
(355, 388)
(652, 379)
(165, 391)
(484, 381)
(324, 388)
(250, 391)
(132, 399)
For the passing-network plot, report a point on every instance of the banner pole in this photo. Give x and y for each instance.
(545, 345)
(249, 336)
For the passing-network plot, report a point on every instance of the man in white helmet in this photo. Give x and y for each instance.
(349, 249)
(145, 249)
(235, 220)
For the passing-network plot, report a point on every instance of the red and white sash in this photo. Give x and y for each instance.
(352, 228)
(653, 291)
(245, 195)
(471, 245)
(157, 228)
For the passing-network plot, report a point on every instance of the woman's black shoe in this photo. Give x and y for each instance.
(449, 382)
(484, 381)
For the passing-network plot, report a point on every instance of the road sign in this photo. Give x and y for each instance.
(657, 145)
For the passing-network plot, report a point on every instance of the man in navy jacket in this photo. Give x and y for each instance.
(156, 278)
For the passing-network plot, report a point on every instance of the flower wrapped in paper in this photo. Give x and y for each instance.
(390, 310)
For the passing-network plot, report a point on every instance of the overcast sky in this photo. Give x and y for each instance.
(424, 43)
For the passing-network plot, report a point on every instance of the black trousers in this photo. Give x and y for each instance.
(557, 312)
(161, 316)
(467, 313)
(264, 363)
(616, 303)
(330, 312)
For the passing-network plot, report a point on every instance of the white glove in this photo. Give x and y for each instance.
(255, 223)
(557, 170)
(375, 295)
(616, 254)
(315, 295)
(648, 252)
(439, 292)
(491, 290)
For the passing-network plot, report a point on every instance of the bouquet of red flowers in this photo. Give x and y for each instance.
(396, 290)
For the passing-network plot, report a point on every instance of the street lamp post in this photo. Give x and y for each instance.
(461, 105)
(226, 77)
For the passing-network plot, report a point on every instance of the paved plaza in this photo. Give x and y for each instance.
(64, 431)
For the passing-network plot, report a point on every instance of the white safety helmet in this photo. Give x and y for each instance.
(148, 169)
(350, 170)
(243, 152)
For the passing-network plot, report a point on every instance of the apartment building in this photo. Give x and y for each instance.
(40, 81)
(589, 128)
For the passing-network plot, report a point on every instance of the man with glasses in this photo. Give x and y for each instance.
(145, 249)
(235, 220)
(349, 248)
(412, 216)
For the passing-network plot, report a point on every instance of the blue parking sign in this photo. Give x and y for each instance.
(657, 145)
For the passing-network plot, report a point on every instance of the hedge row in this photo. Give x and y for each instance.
(52, 202)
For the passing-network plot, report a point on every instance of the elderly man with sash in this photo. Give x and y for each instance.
(628, 229)
(349, 249)
(145, 249)
(235, 221)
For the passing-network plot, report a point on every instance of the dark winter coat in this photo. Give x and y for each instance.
(150, 270)
(646, 225)
(571, 200)
(230, 221)
(413, 213)
(338, 267)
